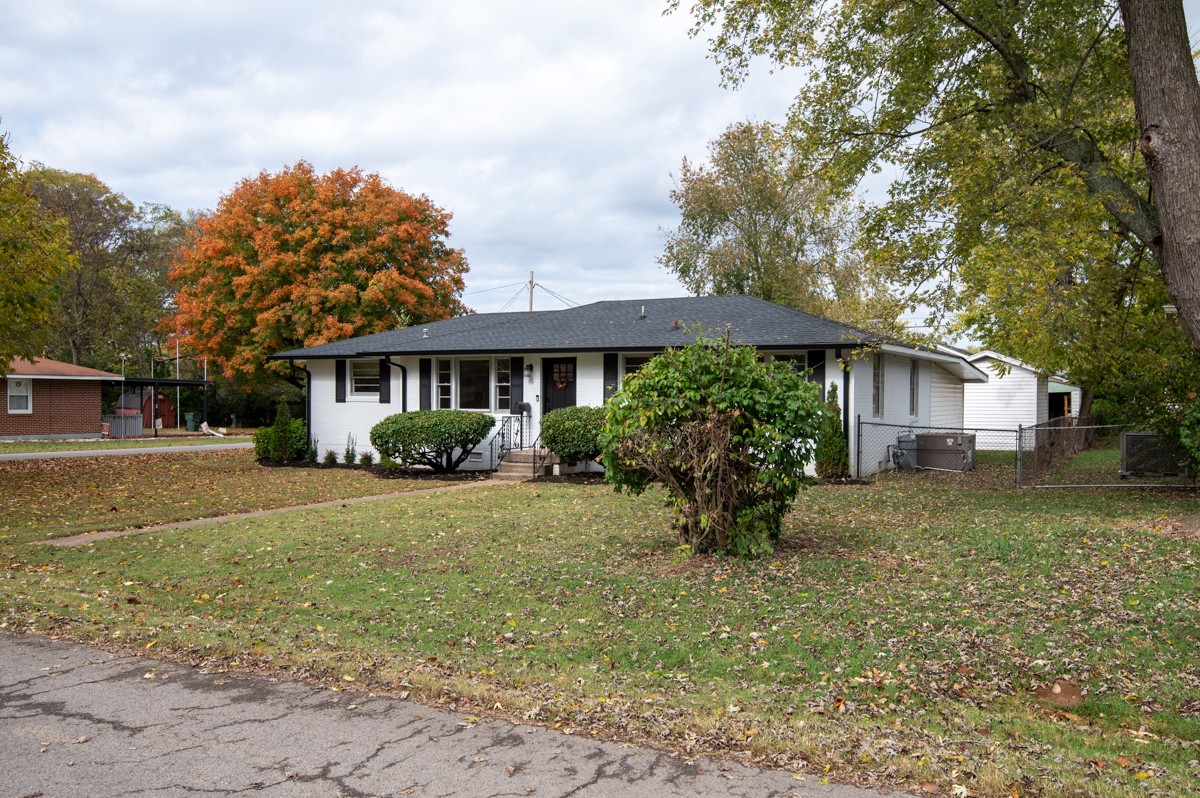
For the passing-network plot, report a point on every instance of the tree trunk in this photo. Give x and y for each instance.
(1167, 99)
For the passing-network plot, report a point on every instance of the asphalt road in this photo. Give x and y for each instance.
(202, 447)
(76, 722)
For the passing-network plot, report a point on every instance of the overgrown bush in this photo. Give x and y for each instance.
(285, 441)
(833, 456)
(573, 433)
(726, 434)
(431, 437)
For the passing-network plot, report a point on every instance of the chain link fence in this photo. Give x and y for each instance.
(915, 447)
(1080, 453)
(1062, 453)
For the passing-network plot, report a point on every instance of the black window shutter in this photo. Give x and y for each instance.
(426, 372)
(516, 384)
(610, 374)
(385, 382)
(339, 379)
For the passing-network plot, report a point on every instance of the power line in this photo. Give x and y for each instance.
(520, 292)
(497, 288)
(559, 297)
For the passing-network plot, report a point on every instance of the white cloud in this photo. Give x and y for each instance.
(549, 129)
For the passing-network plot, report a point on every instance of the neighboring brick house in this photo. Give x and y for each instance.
(50, 399)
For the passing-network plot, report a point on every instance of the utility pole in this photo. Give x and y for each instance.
(531, 292)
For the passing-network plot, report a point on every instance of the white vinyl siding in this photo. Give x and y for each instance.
(945, 399)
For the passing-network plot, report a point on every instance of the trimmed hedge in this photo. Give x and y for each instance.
(573, 433)
(430, 437)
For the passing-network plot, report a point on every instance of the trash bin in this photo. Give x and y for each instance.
(190, 420)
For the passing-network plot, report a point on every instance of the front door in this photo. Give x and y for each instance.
(558, 383)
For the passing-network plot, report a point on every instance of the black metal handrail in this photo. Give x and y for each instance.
(513, 432)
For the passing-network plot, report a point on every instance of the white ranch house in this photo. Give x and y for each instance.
(519, 366)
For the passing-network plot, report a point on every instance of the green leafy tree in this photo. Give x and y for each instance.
(753, 221)
(113, 298)
(1000, 119)
(298, 259)
(35, 251)
(728, 436)
(439, 439)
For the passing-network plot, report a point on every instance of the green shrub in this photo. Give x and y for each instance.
(350, 455)
(366, 459)
(573, 433)
(833, 456)
(727, 435)
(285, 441)
(330, 457)
(431, 437)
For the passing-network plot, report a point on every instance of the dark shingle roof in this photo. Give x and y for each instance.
(629, 325)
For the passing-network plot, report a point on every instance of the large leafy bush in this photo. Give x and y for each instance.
(573, 433)
(431, 437)
(728, 436)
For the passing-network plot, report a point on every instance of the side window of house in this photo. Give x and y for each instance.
(633, 364)
(914, 387)
(474, 384)
(445, 400)
(503, 384)
(877, 386)
(20, 396)
(364, 378)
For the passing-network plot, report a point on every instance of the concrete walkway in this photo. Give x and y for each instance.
(76, 722)
(202, 447)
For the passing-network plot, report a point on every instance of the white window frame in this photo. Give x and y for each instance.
(914, 388)
(447, 375)
(628, 369)
(360, 383)
(20, 386)
(877, 378)
(502, 389)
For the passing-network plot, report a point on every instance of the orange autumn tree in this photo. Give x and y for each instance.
(298, 259)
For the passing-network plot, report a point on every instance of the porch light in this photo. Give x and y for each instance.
(529, 370)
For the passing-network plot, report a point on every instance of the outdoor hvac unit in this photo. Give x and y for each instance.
(1148, 454)
(905, 454)
(946, 451)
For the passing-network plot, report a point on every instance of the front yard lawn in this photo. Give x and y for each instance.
(897, 637)
(42, 499)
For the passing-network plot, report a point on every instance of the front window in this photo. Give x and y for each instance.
(473, 384)
(877, 386)
(503, 384)
(364, 378)
(445, 399)
(633, 364)
(20, 396)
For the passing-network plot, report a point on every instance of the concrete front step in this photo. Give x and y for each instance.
(517, 465)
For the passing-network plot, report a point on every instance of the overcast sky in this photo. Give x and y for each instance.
(550, 130)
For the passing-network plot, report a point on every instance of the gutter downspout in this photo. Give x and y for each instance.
(307, 397)
(837, 354)
(403, 383)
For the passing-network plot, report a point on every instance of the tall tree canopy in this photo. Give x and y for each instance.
(34, 252)
(753, 222)
(114, 296)
(1013, 130)
(297, 259)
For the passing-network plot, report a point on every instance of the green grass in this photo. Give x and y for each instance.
(895, 637)
(55, 497)
(23, 447)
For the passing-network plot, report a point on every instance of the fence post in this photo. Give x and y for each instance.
(858, 448)
(1020, 452)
